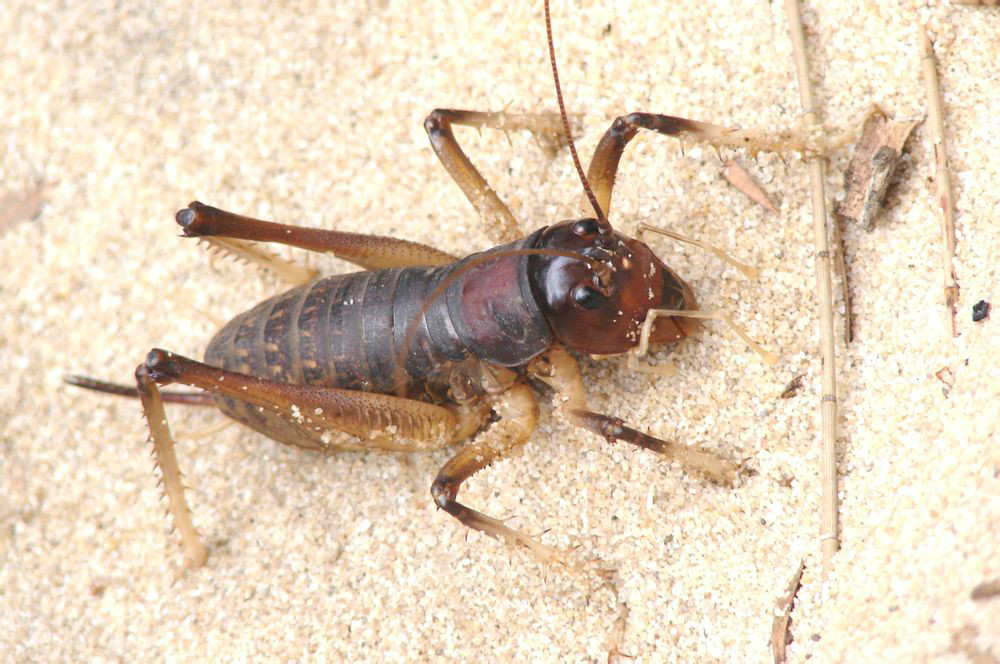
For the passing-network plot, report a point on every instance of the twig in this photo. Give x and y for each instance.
(876, 155)
(936, 119)
(829, 541)
(782, 619)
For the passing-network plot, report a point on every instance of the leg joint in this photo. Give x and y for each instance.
(444, 491)
(625, 126)
(435, 122)
(159, 366)
(611, 428)
(142, 379)
(199, 220)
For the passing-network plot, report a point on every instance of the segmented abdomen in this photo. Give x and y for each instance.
(334, 332)
(351, 331)
(337, 332)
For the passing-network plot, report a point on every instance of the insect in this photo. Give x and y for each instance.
(422, 349)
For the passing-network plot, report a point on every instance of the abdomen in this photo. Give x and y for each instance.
(454, 328)
(342, 331)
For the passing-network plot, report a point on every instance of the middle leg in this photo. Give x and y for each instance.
(518, 411)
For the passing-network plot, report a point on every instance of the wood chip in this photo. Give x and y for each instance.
(947, 378)
(792, 388)
(740, 178)
(21, 206)
(986, 589)
(868, 175)
(780, 636)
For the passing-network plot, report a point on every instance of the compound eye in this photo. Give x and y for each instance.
(586, 297)
(585, 227)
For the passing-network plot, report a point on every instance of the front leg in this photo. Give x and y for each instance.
(560, 371)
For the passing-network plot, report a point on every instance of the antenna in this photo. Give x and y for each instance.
(604, 226)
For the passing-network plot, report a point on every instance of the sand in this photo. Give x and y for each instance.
(312, 115)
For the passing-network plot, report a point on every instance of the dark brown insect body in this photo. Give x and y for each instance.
(471, 341)
(421, 349)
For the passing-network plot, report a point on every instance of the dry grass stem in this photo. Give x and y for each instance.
(829, 541)
(840, 265)
(943, 178)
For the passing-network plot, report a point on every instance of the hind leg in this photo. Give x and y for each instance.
(372, 252)
(195, 551)
(312, 413)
